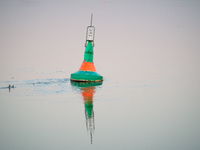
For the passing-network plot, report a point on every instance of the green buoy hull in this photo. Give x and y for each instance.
(86, 76)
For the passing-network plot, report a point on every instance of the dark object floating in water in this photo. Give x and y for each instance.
(11, 86)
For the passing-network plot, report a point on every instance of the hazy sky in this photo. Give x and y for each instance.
(41, 33)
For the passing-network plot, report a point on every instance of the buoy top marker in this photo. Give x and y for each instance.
(90, 33)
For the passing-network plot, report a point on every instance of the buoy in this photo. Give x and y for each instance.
(87, 71)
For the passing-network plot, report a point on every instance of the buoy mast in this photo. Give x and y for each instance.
(90, 33)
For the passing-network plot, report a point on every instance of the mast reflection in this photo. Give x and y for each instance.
(87, 90)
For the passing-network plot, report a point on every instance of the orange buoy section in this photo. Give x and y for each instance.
(87, 93)
(87, 66)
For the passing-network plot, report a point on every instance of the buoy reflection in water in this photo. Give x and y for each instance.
(87, 90)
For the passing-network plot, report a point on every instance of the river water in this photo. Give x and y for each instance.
(147, 52)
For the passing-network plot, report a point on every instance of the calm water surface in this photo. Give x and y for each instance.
(147, 51)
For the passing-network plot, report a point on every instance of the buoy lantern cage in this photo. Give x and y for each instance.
(90, 33)
(87, 71)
